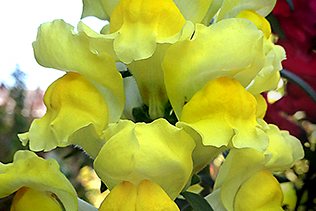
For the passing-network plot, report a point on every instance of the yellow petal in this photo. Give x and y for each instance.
(146, 196)
(212, 11)
(284, 148)
(218, 50)
(94, 8)
(269, 76)
(261, 23)
(150, 81)
(121, 198)
(59, 47)
(214, 199)
(261, 192)
(27, 199)
(194, 11)
(202, 154)
(73, 103)
(261, 106)
(109, 5)
(225, 114)
(43, 176)
(133, 98)
(231, 8)
(267, 80)
(134, 152)
(139, 24)
(151, 196)
(149, 75)
(290, 197)
(239, 165)
(99, 43)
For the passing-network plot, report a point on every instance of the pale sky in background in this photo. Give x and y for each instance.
(19, 20)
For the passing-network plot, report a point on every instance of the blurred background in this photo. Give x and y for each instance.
(23, 82)
(19, 21)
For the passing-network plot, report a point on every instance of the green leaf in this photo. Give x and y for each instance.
(290, 3)
(140, 114)
(195, 179)
(276, 28)
(197, 202)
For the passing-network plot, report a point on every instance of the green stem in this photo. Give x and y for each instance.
(300, 83)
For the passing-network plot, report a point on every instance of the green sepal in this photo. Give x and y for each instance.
(195, 179)
(197, 202)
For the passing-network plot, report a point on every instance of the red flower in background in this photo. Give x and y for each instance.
(299, 27)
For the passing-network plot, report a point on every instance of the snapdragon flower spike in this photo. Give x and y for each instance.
(38, 182)
(157, 151)
(143, 197)
(76, 114)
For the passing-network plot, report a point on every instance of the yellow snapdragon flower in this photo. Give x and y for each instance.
(38, 182)
(76, 111)
(157, 151)
(243, 164)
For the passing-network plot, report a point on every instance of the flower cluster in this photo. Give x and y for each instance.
(204, 63)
